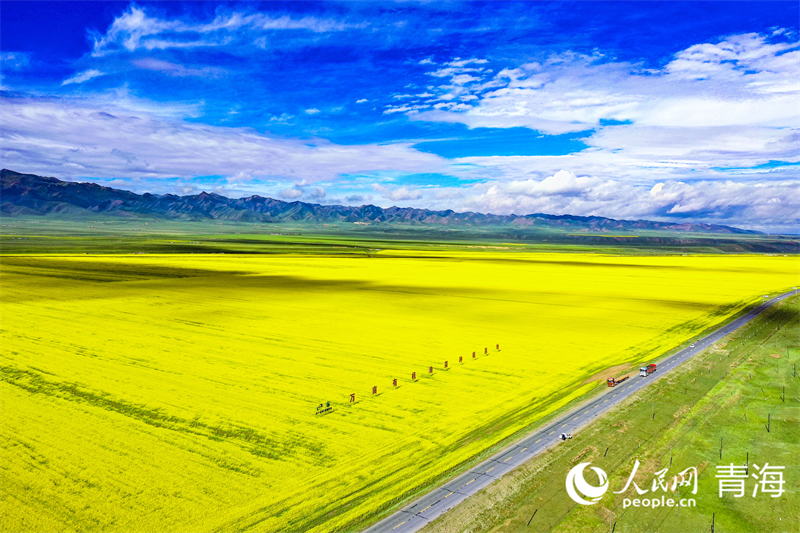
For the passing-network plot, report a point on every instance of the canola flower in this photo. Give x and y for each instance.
(180, 393)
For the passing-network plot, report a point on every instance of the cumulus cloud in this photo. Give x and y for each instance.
(52, 136)
(397, 194)
(291, 194)
(317, 193)
(736, 57)
(742, 80)
(312, 111)
(717, 110)
(81, 77)
(562, 183)
(756, 205)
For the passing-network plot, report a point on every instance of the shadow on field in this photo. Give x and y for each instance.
(100, 271)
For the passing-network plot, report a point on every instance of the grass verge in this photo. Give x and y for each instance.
(738, 402)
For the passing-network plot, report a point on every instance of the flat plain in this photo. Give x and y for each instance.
(180, 392)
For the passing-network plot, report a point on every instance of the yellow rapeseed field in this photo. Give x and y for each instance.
(180, 393)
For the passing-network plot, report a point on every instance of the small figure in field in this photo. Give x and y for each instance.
(473, 355)
(486, 351)
(430, 370)
(394, 382)
(375, 390)
(445, 364)
(352, 397)
(460, 358)
(413, 376)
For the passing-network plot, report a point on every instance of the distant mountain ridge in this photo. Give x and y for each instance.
(29, 194)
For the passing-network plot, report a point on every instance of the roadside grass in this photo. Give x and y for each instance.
(693, 417)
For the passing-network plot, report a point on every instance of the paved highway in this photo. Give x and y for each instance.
(415, 515)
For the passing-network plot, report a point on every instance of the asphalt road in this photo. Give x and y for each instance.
(415, 515)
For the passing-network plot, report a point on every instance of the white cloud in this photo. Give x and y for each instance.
(397, 194)
(283, 118)
(49, 136)
(650, 155)
(291, 194)
(81, 77)
(755, 205)
(403, 109)
(699, 148)
(317, 193)
(743, 80)
(735, 103)
(136, 29)
(458, 62)
(451, 71)
(312, 111)
(734, 58)
(562, 182)
(14, 60)
(462, 79)
(362, 101)
(176, 70)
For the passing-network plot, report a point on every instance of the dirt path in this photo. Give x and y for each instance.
(610, 372)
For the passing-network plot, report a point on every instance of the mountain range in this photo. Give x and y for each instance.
(29, 194)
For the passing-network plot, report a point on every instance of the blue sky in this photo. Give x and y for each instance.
(658, 110)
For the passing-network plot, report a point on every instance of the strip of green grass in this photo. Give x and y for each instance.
(112, 234)
(679, 421)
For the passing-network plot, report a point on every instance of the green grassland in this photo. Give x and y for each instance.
(112, 234)
(714, 410)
